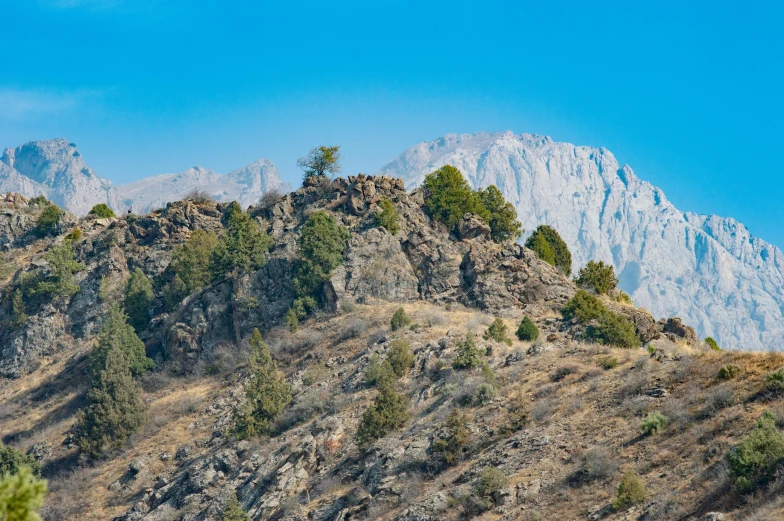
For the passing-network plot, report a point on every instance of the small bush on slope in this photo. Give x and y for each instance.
(631, 491)
(755, 460)
(468, 355)
(527, 330)
(399, 320)
(102, 211)
(233, 510)
(12, 460)
(654, 423)
(583, 306)
(242, 246)
(498, 332)
(387, 217)
(48, 220)
(191, 261)
(400, 357)
(452, 447)
(388, 411)
(614, 329)
(597, 276)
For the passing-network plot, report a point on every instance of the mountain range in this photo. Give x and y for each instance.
(709, 270)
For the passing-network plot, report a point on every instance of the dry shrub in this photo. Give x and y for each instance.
(543, 409)
(270, 198)
(197, 196)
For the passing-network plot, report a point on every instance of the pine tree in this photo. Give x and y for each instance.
(117, 333)
(320, 161)
(233, 510)
(387, 217)
(468, 355)
(62, 266)
(388, 411)
(267, 393)
(242, 246)
(448, 197)
(21, 495)
(138, 299)
(191, 261)
(549, 246)
(18, 315)
(503, 221)
(12, 460)
(115, 409)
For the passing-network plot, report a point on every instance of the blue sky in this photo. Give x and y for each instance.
(688, 95)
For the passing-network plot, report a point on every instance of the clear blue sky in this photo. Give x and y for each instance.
(689, 94)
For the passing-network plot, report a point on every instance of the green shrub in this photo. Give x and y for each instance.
(624, 298)
(320, 248)
(388, 411)
(387, 217)
(654, 423)
(616, 330)
(102, 211)
(527, 330)
(584, 307)
(631, 491)
(453, 445)
(115, 409)
(549, 246)
(48, 220)
(756, 459)
(39, 200)
(400, 357)
(21, 495)
(18, 314)
(138, 299)
(468, 355)
(448, 197)
(728, 372)
(376, 370)
(314, 374)
(242, 246)
(117, 333)
(233, 511)
(399, 320)
(291, 320)
(498, 332)
(267, 393)
(712, 344)
(484, 394)
(12, 461)
(597, 276)
(487, 489)
(608, 362)
(173, 293)
(74, 235)
(62, 266)
(191, 261)
(774, 382)
(503, 221)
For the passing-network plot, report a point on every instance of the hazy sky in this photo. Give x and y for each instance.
(689, 95)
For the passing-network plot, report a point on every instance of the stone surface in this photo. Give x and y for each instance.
(709, 270)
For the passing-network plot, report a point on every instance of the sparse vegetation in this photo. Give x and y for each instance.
(498, 331)
(13, 460)
(608, 362)
(74, 235)
(549, 246)
(502, 219)
(399, 320)
(387, 412)
(387, 217)
(267, 393)
(448, 197)
(469, 356)
(455, 442)
(197, 196)
(270, 198)
(631, 491)
(712, 344)
(654, 423)
(728, 372)
(597, 276)
(527, 330)
(173, 292)
(102, 211)
(616, 330)
(487, 489)
(583, 306)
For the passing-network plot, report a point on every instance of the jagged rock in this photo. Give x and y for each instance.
(40, 451)
(137, 466)
(676, 329)
(472, 227)
(714, 516)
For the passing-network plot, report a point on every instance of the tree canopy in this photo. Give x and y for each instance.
(549, 246)
(321, 160)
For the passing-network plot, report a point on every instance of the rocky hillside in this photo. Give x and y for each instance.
(547, 429)
(708, 269)
(56, 170)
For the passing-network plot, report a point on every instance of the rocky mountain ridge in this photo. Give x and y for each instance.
(709, 270)
(56, 169)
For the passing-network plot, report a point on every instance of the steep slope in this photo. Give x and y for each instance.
(244, 185)
(56, 170)
(559, 418)
(707, 269)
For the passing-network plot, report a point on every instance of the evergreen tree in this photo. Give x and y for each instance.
(498, 332)
(468, 355)
(18, 315)
(448, 197)
(320, 247)
(233, 510)
(21, 495)
(399, 320)
(597, 276)
(62, 266)
(388, 411)
(452, 447)
(387, 217)
(12, 460)
(558, 253)
(267, 393)
(503, 221)
(320, 161)
(138, 299)
(115, 409)
(48, 220)
(173, 293)
(102, 210)
(242, 246)
(117, 333)
(400, 357)
(191, 261)
(527, 330)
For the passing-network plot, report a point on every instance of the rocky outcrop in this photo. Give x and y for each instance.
(707, 269)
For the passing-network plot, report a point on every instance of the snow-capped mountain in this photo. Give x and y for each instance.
(55, 169)
(708, 270)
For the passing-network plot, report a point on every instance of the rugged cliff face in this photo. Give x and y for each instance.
(707, 269)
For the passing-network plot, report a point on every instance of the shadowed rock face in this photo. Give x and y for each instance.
(707, 269)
